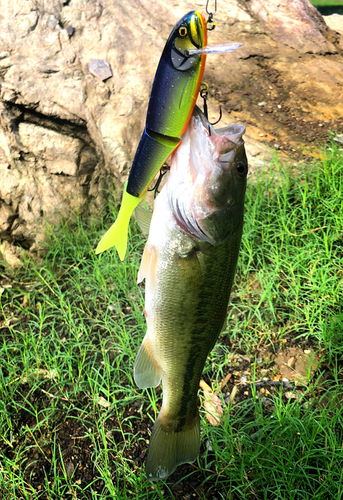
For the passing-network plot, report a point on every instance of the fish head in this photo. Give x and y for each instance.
(189, 33)
(209, 174)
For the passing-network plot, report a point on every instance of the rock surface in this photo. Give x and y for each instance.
(67, 137)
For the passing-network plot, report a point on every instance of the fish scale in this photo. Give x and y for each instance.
(188, 281)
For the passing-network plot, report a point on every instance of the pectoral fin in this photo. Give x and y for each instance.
(147, 269)
(143, 218)
(118, 232)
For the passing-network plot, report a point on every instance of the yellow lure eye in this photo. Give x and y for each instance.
(183, 31)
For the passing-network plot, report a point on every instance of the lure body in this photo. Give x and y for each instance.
(172, 100)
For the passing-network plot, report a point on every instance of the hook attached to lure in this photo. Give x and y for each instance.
(162, 173)
(204, 95)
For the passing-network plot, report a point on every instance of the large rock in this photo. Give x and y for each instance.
(67, 137)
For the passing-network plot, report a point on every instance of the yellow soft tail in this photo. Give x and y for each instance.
(117, 234)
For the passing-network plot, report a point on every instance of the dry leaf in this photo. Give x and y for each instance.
(291, 362)
(214, 410)
(233, 394)
(291, 395)
(212, 404)
(102, 402)
(205, 387)
(224, 382)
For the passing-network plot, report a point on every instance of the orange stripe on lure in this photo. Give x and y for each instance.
(172, 100)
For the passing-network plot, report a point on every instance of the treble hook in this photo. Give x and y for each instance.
(162, 173)
(204, 94)
(210, 16)
(220, 116)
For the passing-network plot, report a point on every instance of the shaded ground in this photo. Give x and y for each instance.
(330, 9)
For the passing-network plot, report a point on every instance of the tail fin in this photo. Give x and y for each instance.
(168, 448)
(117, 233)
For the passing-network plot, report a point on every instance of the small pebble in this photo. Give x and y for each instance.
(279, 106)
(262, 103)
(276, 146)
(285, 379)
(307, 351)
(100, 68)
(70, 30)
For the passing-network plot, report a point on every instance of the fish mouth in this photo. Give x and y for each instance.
(233, 133)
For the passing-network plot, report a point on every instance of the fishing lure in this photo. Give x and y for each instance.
(172, 100)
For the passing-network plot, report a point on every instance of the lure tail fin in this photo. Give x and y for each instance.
(118, 232)
(168, 449)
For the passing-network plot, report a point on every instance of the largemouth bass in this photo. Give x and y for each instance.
(189, 264)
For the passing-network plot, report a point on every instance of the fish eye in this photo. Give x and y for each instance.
(242, 169)
(183, 31)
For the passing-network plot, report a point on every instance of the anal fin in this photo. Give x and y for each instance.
(146, 371)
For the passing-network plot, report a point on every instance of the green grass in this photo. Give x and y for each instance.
(73, 425)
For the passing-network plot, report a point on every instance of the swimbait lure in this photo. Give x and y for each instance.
(172, 100)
